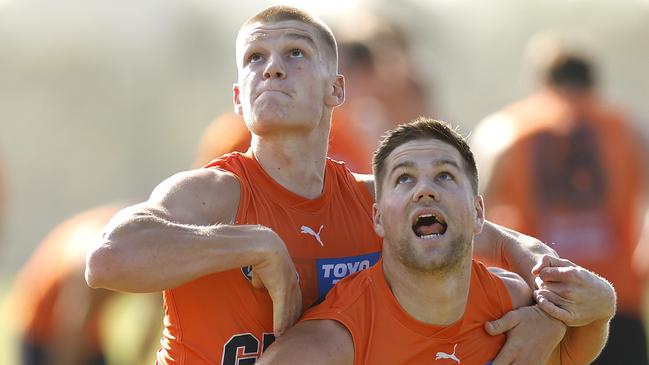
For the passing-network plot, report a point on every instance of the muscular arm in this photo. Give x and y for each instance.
(184, 231)
(314, 342)
(170, 239)
(506, 248)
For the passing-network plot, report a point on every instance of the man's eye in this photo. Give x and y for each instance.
(296, 53)
(404, 179)
(255, 57)
(446, 176)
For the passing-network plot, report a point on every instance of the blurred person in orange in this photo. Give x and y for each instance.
(59, 318)
(565, 166)
(383, 87)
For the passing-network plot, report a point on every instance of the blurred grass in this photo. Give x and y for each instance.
(128, 338)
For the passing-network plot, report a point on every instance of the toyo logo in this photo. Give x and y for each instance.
(331, 271)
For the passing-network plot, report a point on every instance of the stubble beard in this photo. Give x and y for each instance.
(448, 263)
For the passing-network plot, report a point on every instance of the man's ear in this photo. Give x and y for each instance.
(236, 100)
(336, 95)
(480, 213)
(378, 222)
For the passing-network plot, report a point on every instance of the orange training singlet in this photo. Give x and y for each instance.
(384, 334)
(59, 257)
(221, 318)
(572, 177)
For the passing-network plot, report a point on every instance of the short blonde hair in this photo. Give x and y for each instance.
(280, 13)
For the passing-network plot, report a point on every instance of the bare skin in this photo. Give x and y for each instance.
(435, 185)
(286, 91)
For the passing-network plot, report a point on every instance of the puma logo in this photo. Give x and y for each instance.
(308, 230)
(444, 355)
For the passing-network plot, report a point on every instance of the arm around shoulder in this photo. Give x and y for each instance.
(514, 251)
(314, 342)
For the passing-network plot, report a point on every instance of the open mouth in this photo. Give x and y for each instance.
(429, 226)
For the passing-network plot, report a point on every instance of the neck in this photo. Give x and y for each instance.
(433, 298)
(295, 160)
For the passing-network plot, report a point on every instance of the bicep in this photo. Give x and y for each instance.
(315, 342)
(200, 197)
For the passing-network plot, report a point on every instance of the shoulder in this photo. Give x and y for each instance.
(314, 342)
(364, 182)
(201, 196)
(367, 180)
(347, 302)
(519, 292)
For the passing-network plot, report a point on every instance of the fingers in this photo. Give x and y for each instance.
(553, 305)
(503, 324)
(545, 262)
(286, 312)
(550, 261)
(566, 291)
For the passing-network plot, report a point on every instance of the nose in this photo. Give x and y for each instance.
(274, 68)
(425, 190)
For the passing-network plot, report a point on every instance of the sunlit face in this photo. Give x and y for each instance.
(285, 77)
(427, 212)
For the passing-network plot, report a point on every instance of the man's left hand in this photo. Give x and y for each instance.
(571, 293)
(532, 336)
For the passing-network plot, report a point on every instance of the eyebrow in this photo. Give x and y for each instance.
(408, 164)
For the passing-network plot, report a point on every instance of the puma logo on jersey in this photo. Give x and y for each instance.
(309, 231)
(443, 355)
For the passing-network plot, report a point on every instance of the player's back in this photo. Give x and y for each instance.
(572, 177)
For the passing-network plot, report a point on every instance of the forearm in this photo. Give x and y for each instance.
(514, 251)
(145, 253)
(582, 345)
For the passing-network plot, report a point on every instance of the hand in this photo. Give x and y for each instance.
(571, 293)
(532, 336)
(276, 272)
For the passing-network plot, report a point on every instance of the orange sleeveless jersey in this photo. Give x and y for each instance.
(221, 318)
(572, 177)
(39, 283)
(228, 133)
(384, 334)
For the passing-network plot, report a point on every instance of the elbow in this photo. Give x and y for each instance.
(100, 266)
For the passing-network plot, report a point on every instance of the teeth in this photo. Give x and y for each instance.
(430, 236)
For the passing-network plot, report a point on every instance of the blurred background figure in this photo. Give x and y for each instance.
(565, 166)
(60, 319)
(383, 88)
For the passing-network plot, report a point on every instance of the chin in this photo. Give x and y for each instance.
(437, 259)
